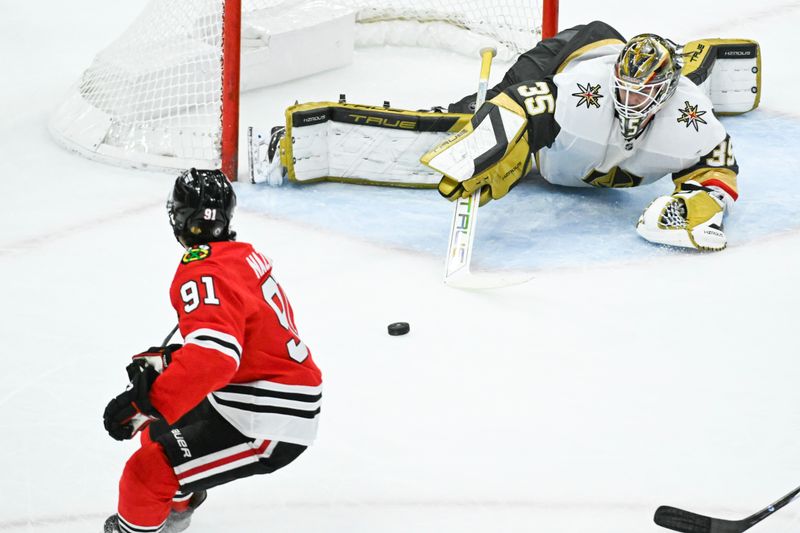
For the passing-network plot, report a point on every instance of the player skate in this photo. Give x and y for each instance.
(180, 517)
(177, 521)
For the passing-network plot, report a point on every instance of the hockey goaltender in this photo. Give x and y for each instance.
(586, 108)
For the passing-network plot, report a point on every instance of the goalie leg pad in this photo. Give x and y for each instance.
(328, 141)
(728, 71)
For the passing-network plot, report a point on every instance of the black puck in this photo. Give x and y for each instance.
(398, 328)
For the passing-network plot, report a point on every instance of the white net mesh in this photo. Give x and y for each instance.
(512, 24)
(674, 215)
(153, 97)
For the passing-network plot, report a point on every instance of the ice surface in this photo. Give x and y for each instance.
(542, 226)
(622, 377)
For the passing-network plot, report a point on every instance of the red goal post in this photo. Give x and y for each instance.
(231, 61)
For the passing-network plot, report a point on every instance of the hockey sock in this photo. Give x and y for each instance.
(146, 489)
(180, 502)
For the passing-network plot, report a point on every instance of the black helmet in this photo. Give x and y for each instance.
(201, 206)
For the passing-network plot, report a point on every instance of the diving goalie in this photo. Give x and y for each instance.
(586, 108)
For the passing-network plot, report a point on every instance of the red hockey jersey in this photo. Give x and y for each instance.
(241, 347)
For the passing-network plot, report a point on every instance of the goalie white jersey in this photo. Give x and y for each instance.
(590, 150)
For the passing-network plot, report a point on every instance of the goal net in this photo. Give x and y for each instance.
(165, 93)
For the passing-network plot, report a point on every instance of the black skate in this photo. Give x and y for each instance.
(178, 521)
(111, 525)
(276, 134)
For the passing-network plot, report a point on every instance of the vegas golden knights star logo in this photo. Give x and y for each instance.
(691, 116)
(589, 95)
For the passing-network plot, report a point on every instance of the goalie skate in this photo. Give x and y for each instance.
(264, 156)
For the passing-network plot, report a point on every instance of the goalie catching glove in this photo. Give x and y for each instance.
(689, 218)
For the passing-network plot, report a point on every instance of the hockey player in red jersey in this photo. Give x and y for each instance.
(240, 397)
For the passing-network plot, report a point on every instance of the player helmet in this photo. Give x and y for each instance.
(645, 76)
(201, 206)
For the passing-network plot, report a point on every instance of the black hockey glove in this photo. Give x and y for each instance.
(157, 357)
(132, 411)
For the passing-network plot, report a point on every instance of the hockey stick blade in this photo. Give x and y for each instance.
(465, 214)
(688, 522)
(685, 521)
(457, 267)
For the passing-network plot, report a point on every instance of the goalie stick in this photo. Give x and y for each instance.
(465, 219)
(689, 522)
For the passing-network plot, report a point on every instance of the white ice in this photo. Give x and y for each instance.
(622, 377)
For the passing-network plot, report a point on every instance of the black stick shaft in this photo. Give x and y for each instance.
(171, 333)
(766, 511)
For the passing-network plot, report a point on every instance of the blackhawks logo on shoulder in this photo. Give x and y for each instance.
(691, 116)
(589, 95)
(196, 253)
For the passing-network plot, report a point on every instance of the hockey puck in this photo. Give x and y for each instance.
(398, 328)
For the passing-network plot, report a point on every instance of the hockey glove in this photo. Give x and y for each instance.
(157, 357)
(489, 155)
(131, 411)
(690, 218)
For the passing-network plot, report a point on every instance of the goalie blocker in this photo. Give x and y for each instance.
(351, 143)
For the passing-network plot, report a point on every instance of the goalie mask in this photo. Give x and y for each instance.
(645, 76)
(201, 206)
